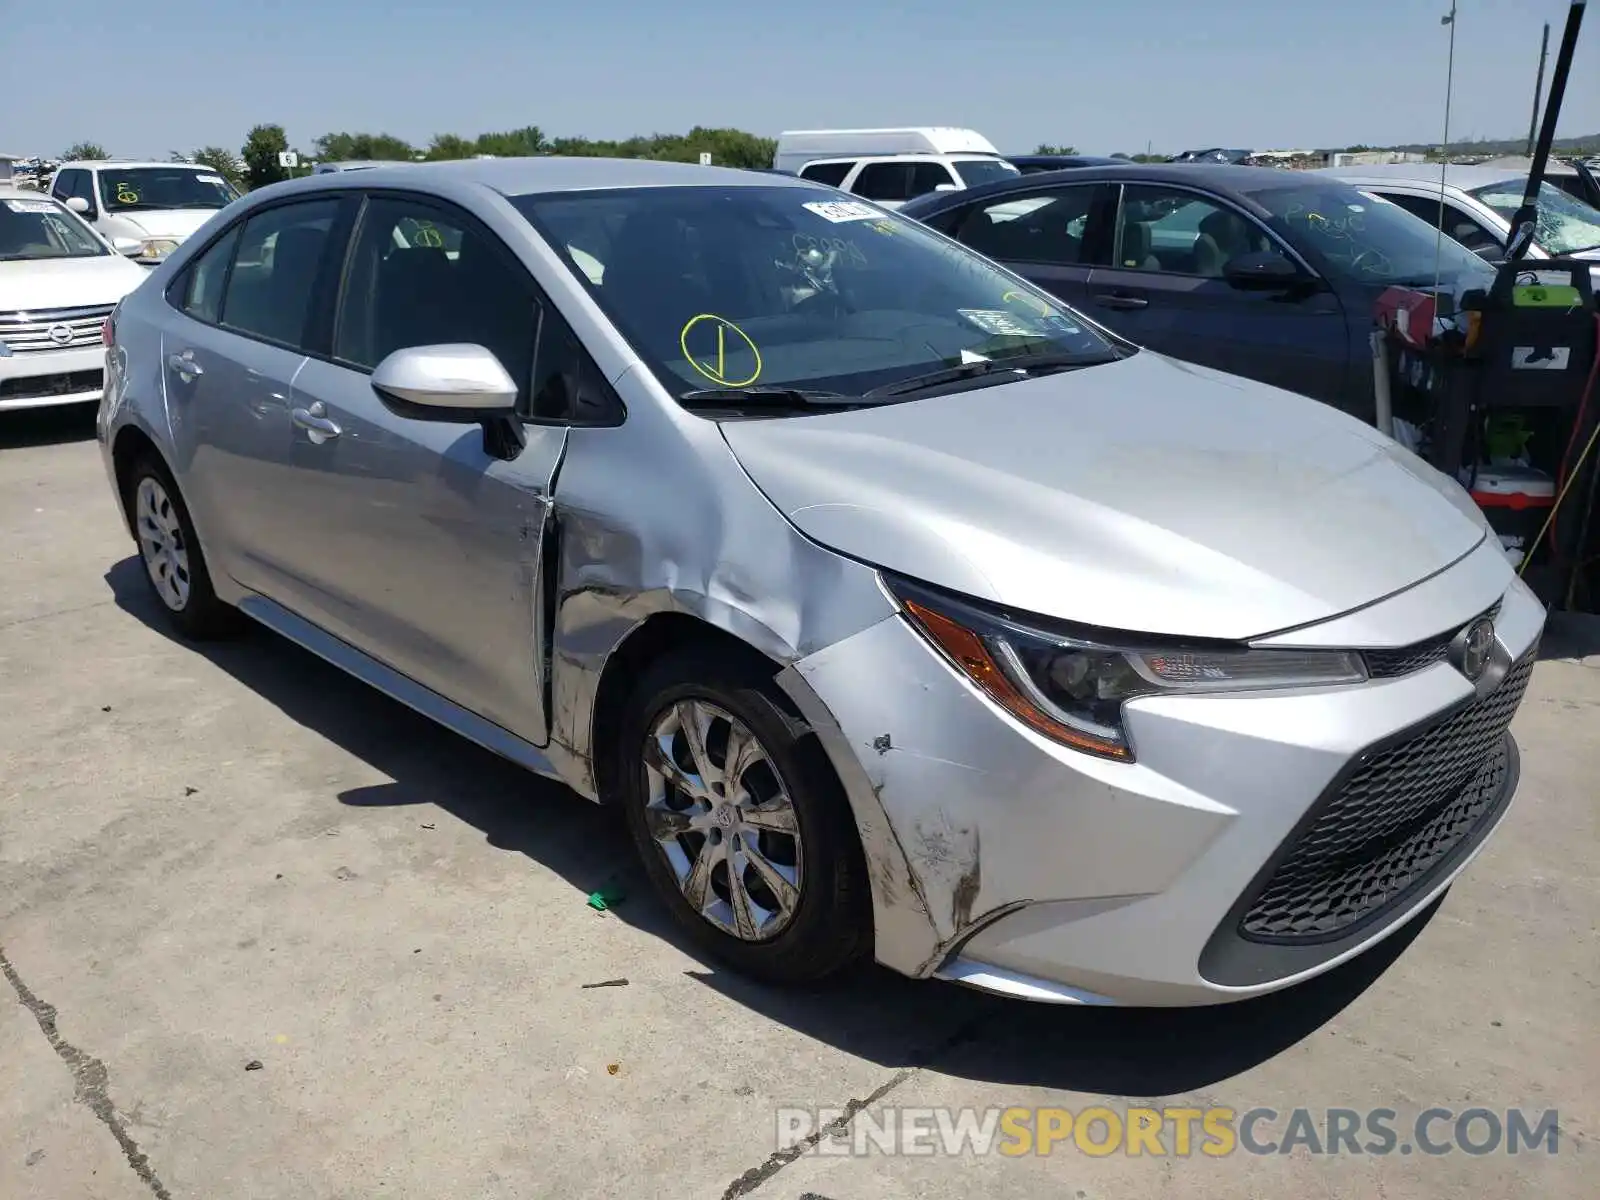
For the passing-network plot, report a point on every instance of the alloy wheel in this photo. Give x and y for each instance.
(720, 814)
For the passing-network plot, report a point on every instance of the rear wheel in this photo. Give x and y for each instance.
(743, 829)
(174, 565)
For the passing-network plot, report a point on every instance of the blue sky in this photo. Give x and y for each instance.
(1110, 75)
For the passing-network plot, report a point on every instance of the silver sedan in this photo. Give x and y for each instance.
(903, 611)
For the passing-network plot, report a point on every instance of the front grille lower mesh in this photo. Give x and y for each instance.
(1391, 823)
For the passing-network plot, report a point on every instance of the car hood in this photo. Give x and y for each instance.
(67, 282)
(1145, 495)
(173, 223)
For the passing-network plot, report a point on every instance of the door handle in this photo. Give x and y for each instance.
(184, 366)
(314, 420)
(1121, 300)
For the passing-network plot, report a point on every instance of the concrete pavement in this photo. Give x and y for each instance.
(211, 859)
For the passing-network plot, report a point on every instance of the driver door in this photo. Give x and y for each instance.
(1166, 291)
(419, 547)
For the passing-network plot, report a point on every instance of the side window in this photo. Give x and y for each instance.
(1181, 233)
(280, 254)
(567, 383)
(830, 173)
(203, 280)
(423, 276)
(1045, 227)
(1458, 224)
(884, 181)
(62, 188)
(1417, 206)
(926, 176)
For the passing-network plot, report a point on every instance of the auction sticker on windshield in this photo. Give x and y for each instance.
(1000, 323)
(839, 211)
(217, 179)
(31, 206)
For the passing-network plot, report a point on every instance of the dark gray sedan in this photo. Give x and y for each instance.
(1263, 273)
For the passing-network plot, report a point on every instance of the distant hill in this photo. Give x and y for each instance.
(1495, 147)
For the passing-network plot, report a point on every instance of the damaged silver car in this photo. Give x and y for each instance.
(904, 612)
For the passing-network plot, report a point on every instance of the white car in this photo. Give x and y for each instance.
(160, 204)
(1478, 204)
(59, 281)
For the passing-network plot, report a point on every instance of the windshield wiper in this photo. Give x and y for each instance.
(1020, 366)
(766, 397)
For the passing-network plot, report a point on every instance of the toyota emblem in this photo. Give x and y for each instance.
(59, 334)
(1470, 649)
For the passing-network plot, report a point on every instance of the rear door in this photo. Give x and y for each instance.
(1052, 236)
(418, 546)
(249, 308)
(1165, 290)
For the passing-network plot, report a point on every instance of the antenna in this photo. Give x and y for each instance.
(1538, 89)
(1444, 150)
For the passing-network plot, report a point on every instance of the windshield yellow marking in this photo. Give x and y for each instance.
(1043, 309)
(428, 237)
(126, 194)
(718, 374)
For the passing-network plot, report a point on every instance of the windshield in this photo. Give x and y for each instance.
(974, 171)
(38, 229)
(1357, 238)
(126, 188)
(786, 287)
(1565, 224)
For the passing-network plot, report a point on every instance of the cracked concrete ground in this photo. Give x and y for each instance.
(209, 860)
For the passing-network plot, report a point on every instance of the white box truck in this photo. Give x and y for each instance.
(891, 166)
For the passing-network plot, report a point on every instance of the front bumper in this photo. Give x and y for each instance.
(42, 378)
(1053, 875)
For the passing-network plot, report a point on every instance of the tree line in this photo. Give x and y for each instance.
(256, 164)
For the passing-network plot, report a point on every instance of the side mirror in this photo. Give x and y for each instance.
(131, 247)
(1261, 269)
(78, 205)
(461, 384)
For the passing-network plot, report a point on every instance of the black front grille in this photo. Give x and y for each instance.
(1390, 823)
(1387, 664)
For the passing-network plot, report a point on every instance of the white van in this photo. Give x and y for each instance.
(891, 166)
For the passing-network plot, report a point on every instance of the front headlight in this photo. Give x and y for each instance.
(1071, 685)
(157, 248)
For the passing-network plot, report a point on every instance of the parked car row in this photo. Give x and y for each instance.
(904, 611)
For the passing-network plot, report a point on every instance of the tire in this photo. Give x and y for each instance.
(169, 551)
(827, 927)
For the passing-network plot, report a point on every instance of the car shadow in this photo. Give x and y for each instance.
(1570, 635)
(871, 1013)
(55, 425)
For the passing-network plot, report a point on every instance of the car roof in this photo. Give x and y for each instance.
(550, 173)
(16, 193)
(1221, 178)
(100, 163)
(1463, 177)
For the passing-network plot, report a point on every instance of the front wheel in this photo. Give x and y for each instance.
(744, 831)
